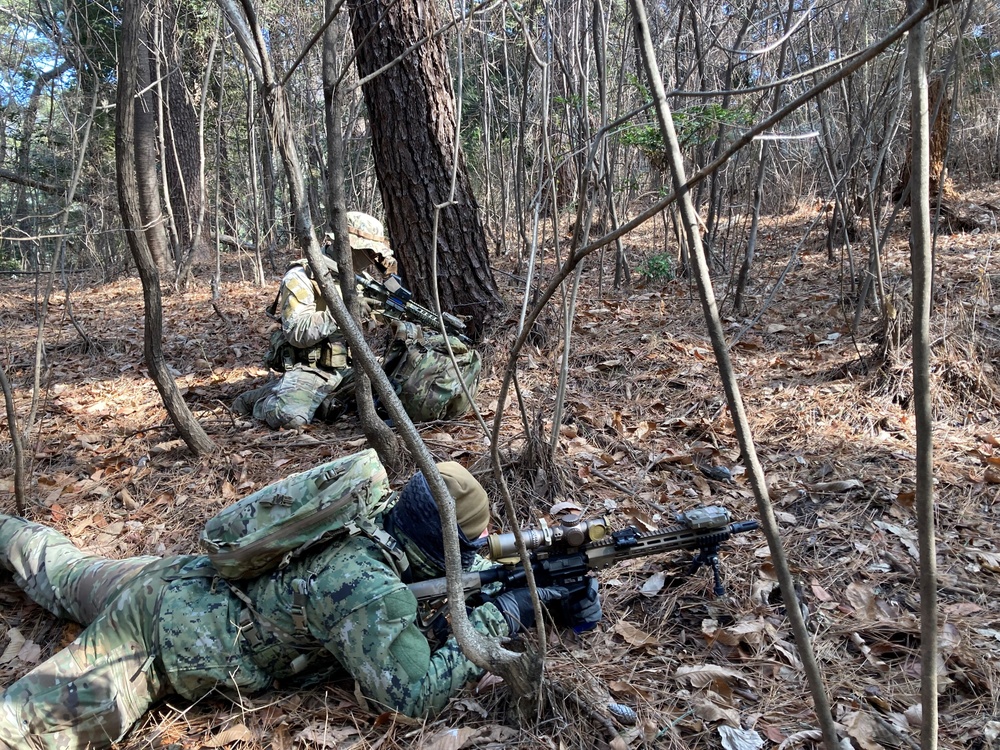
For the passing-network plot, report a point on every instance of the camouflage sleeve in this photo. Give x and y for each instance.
(303, 324)
(376, 638)
(381, 646)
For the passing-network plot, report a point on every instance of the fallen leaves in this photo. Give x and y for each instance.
(845, 509)
(450, 739)
(16, 640)
(908, 537)
(495, 735)
(325, 736)
(711, 709)
(654, 584)
(705, 675)
(633, 635)
(229, 736)
(842, 485)
(734, 738)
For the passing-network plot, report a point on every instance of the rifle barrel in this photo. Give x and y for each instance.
(572, 549)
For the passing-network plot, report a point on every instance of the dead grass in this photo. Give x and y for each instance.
(644, 410)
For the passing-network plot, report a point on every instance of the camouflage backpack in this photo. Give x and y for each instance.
(276, 524)
(424, 377)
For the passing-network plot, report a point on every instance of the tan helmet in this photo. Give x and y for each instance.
(367, 238)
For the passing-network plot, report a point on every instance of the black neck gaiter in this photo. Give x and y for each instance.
(415, 523)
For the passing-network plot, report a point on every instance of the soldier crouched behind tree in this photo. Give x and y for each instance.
(158, 627)
(309, 349)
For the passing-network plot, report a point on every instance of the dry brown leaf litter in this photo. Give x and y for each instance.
(645, 424)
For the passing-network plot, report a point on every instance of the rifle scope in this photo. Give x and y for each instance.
(574, 532)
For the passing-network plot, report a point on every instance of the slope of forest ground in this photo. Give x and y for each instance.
(645, 416)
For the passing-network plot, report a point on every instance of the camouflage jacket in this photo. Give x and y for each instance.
(358, 618)
(305, 319)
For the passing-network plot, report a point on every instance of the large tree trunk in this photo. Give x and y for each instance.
(134, 147)
(141, 129)
(411, 112)
(940, 184)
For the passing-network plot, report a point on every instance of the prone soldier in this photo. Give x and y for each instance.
(157, 627)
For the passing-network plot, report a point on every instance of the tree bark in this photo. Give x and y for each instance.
(15, 441)
(134, 148)
(921, 261)
(142, 153)
(183, 158)
(939, 133)
(411, 112)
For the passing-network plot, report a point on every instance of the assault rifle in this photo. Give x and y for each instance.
(397, 302)
(564, 554)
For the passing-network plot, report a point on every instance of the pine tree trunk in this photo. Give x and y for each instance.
(183, 157)
(411, 112)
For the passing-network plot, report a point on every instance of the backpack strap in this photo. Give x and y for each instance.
(251, 622)
(392, 550)
(272, 310)
(405, 335)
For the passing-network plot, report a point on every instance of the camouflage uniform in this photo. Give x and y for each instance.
(157, 627)
(318, 347)
(424, 376)
(319, 350)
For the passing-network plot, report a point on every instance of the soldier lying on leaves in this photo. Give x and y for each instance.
(271, 601)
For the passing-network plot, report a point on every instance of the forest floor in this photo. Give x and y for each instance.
(645, 414)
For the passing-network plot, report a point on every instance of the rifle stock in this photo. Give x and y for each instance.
(564, 555)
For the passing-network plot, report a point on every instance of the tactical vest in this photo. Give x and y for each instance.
(281, 356)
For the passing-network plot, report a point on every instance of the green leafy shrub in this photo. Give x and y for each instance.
(695, 126)
(658, 267)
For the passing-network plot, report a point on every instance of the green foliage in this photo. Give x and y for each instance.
(96, 28)
(646, 138)
(658, 268)
(10, 264)
(699, 124)
(696, 126)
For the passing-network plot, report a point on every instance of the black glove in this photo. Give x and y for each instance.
(585, 608)
(515, 605)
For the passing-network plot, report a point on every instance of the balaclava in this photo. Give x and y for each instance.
(416, 524)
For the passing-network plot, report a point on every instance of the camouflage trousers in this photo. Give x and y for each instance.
(292, 400)
(89, 694)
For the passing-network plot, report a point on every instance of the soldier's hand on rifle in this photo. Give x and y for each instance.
(515, 605)
(365, 307)
(585, 608)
